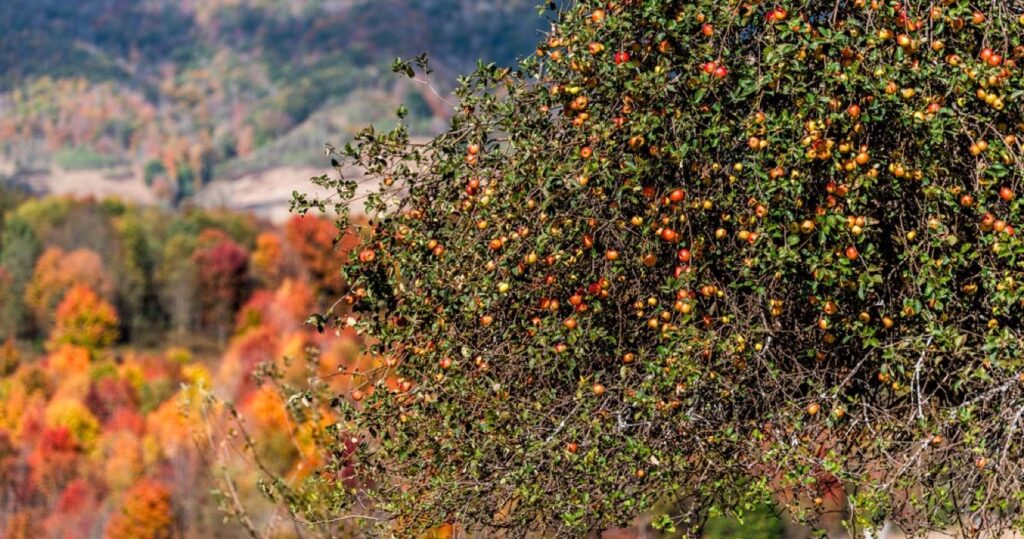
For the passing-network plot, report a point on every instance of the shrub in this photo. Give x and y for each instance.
(714, 251)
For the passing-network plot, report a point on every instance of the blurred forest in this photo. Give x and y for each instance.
(178, 92)
(121, 323)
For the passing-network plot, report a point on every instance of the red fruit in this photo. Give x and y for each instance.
(621, 57)
(709, 67)
(446, 363)
(986, 53)
(721, 72)
(708, 30)
(677, 195)
(684, 256)
(778, 14)
(1006, 193)
(852, 253)
(995, 60)
(669, 235)
(854, 110)
(367, 256)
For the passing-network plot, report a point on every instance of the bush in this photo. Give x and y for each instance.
(736, 253)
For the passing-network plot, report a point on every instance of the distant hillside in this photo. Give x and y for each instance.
(178, 92)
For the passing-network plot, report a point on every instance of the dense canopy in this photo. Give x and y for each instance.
(693, 256)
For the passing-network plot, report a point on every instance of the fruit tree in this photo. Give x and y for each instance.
(701, 254)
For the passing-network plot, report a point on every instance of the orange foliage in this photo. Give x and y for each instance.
(19, 526)
(283, 309)
(169, 429)
(244, 354)
(268, 409)
(56, 272)
(313, 238)
(122, 459)
(10, 357)
(68, 359)
(268, 258)
(84, 319)
(147, 512)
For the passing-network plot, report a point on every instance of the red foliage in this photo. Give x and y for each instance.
(253, 313)
(53, 461)
(126, 419)
(74, 512)
(108, 395)
(246, 352)
(283, 309)
(74, 498)
(221, 278)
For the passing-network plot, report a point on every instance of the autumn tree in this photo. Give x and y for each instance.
(221, 281)
(58, 271)
(84, 319)
(705, 253)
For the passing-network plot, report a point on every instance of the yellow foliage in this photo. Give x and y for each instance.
(179, 355)
(196, 374)
(13, 401)
(73, 415)
(83, 319)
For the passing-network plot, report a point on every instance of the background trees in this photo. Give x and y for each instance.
(109, 422)
(715, 252)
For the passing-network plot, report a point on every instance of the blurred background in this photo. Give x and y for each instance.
(223, 102)
(148, 263)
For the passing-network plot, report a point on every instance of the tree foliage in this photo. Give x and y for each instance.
(56, 273)
(715, 252)
(84, 319)
(147, 512)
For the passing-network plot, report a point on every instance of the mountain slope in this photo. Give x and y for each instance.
(178, 92)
